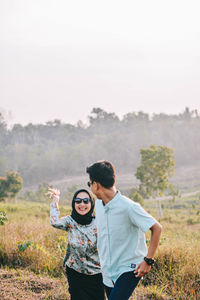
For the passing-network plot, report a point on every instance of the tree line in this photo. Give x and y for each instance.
(43, 152)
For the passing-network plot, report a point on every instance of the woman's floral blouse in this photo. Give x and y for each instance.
(81, 253)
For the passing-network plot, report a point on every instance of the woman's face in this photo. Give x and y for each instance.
(82, 208)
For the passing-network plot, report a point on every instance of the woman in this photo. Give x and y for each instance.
(81, 260)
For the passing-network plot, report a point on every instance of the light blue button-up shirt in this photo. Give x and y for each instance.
(121, 242)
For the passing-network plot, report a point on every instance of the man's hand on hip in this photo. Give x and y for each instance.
(142, 269)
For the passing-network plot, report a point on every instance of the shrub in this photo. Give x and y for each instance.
(3, 217)
(137, 198)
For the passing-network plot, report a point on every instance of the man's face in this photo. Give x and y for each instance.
(94, 187)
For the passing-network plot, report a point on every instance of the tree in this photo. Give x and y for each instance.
(70, 192)
(40, 195)
(43, 152)
(157, 166)
(3, 124)
(3, 188)
(99, 116)
(136, 196)
(10, 186)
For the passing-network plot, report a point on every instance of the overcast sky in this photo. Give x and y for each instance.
(60, 58)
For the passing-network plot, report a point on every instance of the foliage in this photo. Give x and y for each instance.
(3, 217)
(43, 152)
(137, 197)
(157, 165)
(14, 183)
(24, 246)
(174, 192)
(3, 188)
(40, 195)
(70, 191)
(10, 186)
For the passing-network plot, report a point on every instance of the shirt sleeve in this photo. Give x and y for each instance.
(55, 221)
(139, 217)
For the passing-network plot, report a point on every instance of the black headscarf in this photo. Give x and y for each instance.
(82, 219)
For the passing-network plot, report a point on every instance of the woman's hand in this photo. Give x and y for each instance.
(54, 194)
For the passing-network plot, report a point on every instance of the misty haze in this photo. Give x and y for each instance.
(59, 153)
(83, 81)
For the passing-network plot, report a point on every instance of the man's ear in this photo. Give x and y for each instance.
(98, 186)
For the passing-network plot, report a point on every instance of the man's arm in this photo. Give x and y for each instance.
(143, 268)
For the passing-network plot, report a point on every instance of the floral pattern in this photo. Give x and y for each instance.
(81, 253)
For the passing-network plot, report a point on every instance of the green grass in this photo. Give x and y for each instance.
(28, 242)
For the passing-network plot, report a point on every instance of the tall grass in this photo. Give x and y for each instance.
(177, 270)
(28, 241)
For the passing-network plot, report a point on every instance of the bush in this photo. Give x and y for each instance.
(137, 198)
(3, 217)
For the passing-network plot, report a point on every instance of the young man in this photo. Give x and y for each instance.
(121, 227)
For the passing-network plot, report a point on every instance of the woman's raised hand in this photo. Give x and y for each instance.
(54, 194)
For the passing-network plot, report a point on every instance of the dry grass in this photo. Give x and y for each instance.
(21, 284)
(36, 250)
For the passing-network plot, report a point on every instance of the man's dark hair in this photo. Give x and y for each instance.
(102, 172)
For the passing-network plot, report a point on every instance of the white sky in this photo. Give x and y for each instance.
(61, 58)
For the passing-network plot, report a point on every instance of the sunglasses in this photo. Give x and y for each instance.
(90, 183)
(79, 200)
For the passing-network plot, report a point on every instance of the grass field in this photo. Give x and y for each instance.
(31, 253)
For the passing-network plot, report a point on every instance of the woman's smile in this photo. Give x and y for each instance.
(82, 209)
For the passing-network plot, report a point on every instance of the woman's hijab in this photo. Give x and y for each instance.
(83, 219)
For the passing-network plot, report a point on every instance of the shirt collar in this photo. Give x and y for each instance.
(112, 202)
